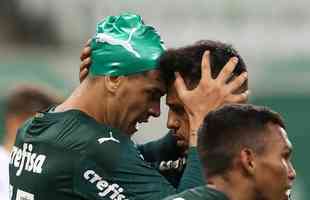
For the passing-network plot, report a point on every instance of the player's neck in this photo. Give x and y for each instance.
(232, 187)
(87, 100)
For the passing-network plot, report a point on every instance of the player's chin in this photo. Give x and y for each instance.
(284, 196)
(183, 145)
(287, 195)
(132, 130)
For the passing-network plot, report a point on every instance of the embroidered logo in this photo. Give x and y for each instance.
(105, 139)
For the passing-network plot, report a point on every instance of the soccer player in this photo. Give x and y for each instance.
(82, 149)
(187, 61)
(245, 153)
(20, 104)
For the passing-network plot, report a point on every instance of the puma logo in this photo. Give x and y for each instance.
(105, 139)
(102, 37)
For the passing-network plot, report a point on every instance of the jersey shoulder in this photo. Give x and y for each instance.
(199, 193)
(72, 129)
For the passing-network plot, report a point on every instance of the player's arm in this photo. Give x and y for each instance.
(93, 177)
(94, 182)
(109, 171)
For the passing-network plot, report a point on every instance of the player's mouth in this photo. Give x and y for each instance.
(181, 140)
(178, 135)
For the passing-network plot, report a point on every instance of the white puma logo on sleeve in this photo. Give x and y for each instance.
(105, 139)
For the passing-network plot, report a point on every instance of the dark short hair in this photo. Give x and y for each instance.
(229, 129)
(187, 61)
(29, 100)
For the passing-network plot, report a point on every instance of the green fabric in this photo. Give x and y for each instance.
(165, 148)
(124, 45)
(170, 161)
(199, 193)
(80, 160)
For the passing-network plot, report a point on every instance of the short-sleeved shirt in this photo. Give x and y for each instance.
(199, 193)
(69, 155)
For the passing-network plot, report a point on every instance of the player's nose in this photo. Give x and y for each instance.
(172, 122)
(292, 172)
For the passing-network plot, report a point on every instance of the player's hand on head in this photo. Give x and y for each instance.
(86, 61)
(210, 93)
(229, 87)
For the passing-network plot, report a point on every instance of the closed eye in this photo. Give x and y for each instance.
(176, 108)
(287, 154)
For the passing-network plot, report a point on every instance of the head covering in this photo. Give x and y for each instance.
(124, 45)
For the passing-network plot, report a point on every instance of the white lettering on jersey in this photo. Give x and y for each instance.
(176, 165)
(10, 191)
(24, 159)
(102, 37)
(114, 191)
(105, 139)
(22, 195)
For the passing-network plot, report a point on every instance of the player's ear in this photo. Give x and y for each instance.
(248, 161)
(113, 82)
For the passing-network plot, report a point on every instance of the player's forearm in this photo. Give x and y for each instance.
(195, 122)
(192, 175)
(193, 138)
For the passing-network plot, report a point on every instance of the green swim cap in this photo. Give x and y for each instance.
(124, 45)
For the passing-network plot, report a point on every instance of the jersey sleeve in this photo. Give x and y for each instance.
(92, 182)
(93, 177)
(192, 175)
(118, 171)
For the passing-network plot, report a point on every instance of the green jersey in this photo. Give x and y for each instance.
(199, 193)
(68, 155)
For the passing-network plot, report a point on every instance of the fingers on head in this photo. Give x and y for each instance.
(228, 69)
(85, 64)
(237, 82)
(85, 53)
(239, 98)
(205, 65)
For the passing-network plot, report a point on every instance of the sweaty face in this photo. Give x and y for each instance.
(275, 172)
(177, 118)
(139, 99)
